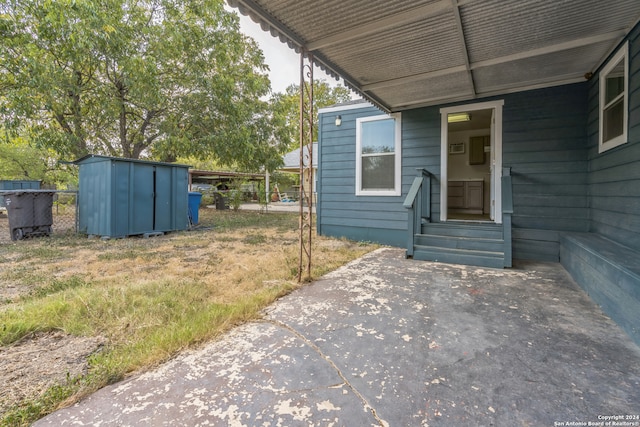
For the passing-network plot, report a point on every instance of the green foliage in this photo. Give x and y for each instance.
(262, 196)
(208, 198)
(207, 164)
(235, 195)
(161, 78)
(18, 160)
(284, 181)
(286, 107)
(22, 161)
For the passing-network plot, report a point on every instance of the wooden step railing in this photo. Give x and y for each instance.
(418, 204)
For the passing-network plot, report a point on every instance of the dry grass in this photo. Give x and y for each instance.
(149, 298)
(230, 259)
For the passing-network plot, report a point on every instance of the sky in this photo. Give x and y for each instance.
(283, 62)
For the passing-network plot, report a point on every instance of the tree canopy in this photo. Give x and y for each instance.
(286, 106)
(20, 160)
(132, 78)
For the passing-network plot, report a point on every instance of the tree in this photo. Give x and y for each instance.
(286, 106)
(151, 78)
(20, 160)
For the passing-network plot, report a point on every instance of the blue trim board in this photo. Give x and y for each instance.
(395, 238)
(609, 273)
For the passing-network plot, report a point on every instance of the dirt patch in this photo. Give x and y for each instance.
(10, 292)
(39, 361)
(5, 237)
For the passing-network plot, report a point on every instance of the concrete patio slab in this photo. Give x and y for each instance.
(395, 342)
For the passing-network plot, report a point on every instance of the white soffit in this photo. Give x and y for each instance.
(405, 54)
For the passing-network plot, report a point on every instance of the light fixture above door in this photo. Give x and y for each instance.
(458, 117)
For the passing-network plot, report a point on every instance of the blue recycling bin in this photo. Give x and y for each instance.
(194, 206)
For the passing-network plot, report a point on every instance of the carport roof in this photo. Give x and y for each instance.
(406, 54)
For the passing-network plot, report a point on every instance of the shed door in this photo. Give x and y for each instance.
(142, 203)
(163, 205)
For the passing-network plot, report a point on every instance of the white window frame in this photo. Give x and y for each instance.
(396, 191)
(621, 55)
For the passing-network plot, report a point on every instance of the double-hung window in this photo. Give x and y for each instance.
(378, 156)
(614, 100)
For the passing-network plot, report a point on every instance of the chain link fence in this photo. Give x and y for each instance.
(64, 213)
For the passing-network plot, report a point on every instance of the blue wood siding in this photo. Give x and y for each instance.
(340, 212)
(614, 179)
(544, 144)
(421, 149)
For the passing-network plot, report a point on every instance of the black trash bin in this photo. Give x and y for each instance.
(222, 201)
(30, 213)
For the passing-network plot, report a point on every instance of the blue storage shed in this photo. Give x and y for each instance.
(121, 197)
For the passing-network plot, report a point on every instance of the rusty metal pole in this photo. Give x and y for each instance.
(306, 165)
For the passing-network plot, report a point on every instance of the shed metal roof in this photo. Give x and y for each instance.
(406, 54)
(91, 158)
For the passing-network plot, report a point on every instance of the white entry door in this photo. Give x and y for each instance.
(495, 156)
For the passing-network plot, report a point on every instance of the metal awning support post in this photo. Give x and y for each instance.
(306, 165)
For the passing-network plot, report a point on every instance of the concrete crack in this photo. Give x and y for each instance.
(327, 359)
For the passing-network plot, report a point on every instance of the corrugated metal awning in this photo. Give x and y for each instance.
(406, 54)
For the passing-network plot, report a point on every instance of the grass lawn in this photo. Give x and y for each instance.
(147, 299)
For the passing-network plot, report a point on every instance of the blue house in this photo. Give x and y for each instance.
(489, 131)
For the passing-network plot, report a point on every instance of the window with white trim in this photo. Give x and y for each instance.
(614, 100)
(378, 156)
